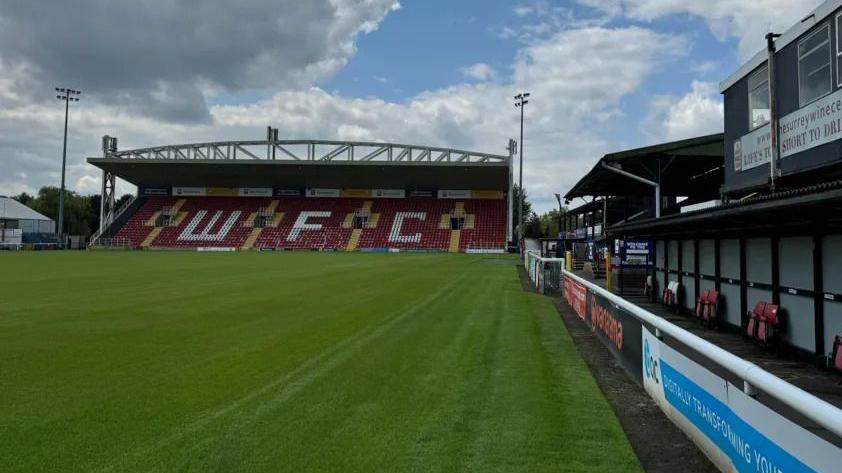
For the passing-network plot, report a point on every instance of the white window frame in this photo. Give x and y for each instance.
(822, 29)
(838, 52)
(764, 70)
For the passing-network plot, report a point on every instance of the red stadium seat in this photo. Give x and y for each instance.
(754, 318)
(318, 223)
(710, 307)
(836, 358)
(767, 327)
(701, 302)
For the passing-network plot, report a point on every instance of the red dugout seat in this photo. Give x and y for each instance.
(836, 358)
(767, 327)
(754, 317)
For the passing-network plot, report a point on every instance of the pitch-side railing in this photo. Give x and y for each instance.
(753, 377)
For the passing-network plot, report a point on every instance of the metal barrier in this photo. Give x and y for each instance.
(753, 377)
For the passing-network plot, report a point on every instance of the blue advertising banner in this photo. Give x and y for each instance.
(748, 449)
(738, 432)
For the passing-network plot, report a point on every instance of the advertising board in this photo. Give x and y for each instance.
(388, 193)
(738, 432)
(314, 192)
(189, 191)
(255, 192)
(287, 192)
(454, 194)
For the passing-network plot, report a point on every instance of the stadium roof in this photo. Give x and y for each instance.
(10, 209)
(819, 204)
(298, 164)
(691, 167)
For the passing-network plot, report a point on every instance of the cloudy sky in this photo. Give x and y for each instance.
(604, 75)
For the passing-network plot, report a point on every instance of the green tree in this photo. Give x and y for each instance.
(23, 198)
(527, 208)
(75, 209)
(81, 212)
(550, 222)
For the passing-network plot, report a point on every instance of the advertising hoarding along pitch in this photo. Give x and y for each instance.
(615, 328)
(738, 432)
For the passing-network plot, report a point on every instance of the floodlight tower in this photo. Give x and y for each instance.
(68, 95)
(521, 104)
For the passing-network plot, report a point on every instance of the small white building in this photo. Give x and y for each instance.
(17, 219)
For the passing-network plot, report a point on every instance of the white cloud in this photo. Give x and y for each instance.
(699, 112)
(162, 58)
(479, 71)
(577, 78)
(746, 20)
(523, 10)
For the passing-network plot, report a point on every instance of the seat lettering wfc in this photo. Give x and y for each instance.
(206, 234)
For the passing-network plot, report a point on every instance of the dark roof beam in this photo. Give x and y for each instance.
(654, 184)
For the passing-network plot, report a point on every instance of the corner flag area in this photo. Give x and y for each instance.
(291, 362)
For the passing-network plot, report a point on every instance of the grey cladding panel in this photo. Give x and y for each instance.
(832, 263)
(659, 253)
(673, 254)
(729, 255)
(729, 304)
(687, 263)
(707, 255)
(759, 260)
(689, 298)
(799, 326)
(796, 262)
(832, 323)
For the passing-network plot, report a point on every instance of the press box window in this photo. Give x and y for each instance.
(838, 50)
(815, 77)
(758, 98)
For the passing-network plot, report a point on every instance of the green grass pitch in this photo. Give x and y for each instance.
(291, 362)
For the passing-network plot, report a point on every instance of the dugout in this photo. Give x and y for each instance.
(639, 184)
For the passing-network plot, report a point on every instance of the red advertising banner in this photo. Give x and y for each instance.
(576, 295)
